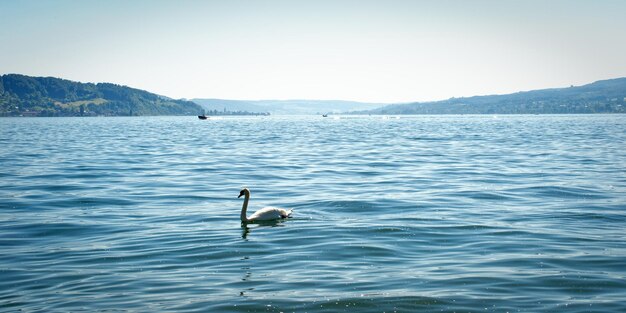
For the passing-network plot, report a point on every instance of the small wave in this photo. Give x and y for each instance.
(558, 192)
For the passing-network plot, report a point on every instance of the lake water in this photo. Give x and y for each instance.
(419, 213)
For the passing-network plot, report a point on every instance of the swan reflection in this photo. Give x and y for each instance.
(246, 263)
(246, 229)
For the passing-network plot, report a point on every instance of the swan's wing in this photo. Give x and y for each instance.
(270, 213)
(284, 213)
(265, 214)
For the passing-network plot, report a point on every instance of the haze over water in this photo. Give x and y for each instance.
(420, 213)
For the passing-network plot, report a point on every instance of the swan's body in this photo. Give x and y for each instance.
(264, 214)
(269, 213)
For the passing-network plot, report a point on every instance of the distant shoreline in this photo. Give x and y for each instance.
(345, 115)
(26, 96)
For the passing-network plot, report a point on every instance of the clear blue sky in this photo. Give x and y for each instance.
(379, 51)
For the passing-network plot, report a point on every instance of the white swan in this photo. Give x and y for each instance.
(264, 214)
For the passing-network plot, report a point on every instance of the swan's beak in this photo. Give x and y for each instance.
(241, 194)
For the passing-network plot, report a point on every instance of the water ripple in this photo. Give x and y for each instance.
(421, 213)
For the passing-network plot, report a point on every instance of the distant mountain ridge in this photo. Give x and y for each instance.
(604, 96)
(286, 107)
(22, 95)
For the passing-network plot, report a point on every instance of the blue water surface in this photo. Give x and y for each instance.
(521, 213)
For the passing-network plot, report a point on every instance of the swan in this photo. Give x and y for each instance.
(264, 214)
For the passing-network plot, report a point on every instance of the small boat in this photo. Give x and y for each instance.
(202, 117)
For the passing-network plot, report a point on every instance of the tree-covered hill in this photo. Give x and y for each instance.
(605, 96)
(22, 95)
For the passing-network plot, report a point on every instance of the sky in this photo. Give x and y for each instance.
(384, 51)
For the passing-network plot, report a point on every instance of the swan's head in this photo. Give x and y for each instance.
(243, 192)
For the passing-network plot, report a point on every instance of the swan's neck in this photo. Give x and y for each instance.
(244, 208)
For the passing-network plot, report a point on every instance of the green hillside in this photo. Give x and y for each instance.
(605, 96)
(22, 95)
